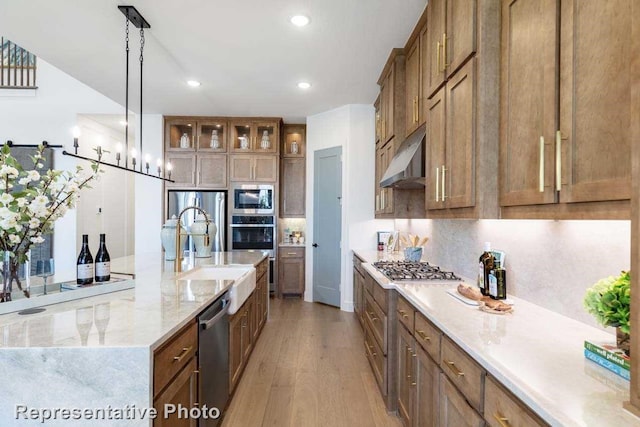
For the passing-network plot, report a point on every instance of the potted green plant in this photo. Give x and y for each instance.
(609, 302)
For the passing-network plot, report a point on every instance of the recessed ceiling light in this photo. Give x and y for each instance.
(300, 20)
(304, 85)
(193, 83)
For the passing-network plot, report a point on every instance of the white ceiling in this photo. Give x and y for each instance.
(246, 53)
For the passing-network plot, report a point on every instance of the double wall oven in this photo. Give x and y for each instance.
(253, 222)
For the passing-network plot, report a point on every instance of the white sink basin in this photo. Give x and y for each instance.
(244, 277)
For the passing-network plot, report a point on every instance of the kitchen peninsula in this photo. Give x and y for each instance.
(57, 359)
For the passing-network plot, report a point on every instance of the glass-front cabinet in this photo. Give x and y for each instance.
(212, 136)
(180, 135)
(254, 137)
(196, 134)
(294, 141)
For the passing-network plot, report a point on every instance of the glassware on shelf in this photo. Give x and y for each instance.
(244, 142)
(294, 147)
(45, 268)
(265, 143)
(184, 141)
(215, 142)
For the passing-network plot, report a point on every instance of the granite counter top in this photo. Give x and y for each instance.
(536, 353)
(154, 309)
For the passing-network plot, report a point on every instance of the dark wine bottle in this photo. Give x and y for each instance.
(84, 266)
(103, 262)
(485, 265)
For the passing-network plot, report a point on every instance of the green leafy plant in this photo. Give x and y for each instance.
(609, 301)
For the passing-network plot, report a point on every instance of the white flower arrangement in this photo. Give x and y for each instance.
(31, 201)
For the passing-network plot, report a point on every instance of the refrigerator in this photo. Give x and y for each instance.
(212, 202)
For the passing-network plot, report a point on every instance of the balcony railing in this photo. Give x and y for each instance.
(17, 66)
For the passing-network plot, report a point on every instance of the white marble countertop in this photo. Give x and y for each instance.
(144, 316)
(536, 353)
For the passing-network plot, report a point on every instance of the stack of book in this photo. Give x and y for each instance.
(608, 356)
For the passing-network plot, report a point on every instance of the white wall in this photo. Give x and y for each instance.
(549, 263)
(352, 128)
(49, 113)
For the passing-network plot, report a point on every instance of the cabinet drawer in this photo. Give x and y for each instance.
(428, 336)
(503, 408)
(405, 313)
(381, 295)
(377, 321)
(376, 358)
(172, 356)
(369, 283)
(357, 264)
(464, 372)
(288, 252)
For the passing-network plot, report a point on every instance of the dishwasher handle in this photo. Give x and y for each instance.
(207, 323)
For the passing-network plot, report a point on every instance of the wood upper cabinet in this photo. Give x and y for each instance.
(183, 169)
(451, 38)
(378, 118)
(255, 136)
(585, 157)
(384, 196)
(293, 172)
(412, 98)
(292, 193)
(212, 170)
(529, 96)
(291, 271)
(595, 100)
(392, 94)
(251, 167)
(451, 147)
(196, 134)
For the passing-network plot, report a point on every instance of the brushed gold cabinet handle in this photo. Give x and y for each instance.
(504, 422)
(558, 160)
(438, 56)
(437, 184)
(454, 368)
(403, 314)
(444, 52)
(292, 253)
(541, 172)
(444, 171)
(372, 316)
(417, 109)
(183, 353)
(413, 384)
(424, 336)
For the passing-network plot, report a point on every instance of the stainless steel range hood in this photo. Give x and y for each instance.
(406, 169)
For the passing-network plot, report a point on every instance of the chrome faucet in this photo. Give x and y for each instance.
(178, 262)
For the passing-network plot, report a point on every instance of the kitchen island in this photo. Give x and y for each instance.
(96, 353)
(536, 354)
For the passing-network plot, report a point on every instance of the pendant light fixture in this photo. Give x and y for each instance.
(134, 17)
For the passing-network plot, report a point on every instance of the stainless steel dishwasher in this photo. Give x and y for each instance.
(213, 358)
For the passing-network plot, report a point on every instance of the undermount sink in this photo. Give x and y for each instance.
(243, 276)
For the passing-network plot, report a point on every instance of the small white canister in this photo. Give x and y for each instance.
(198, 229)
(168, 238)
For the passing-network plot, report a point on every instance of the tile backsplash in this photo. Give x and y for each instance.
(293, 225)
(549, 263)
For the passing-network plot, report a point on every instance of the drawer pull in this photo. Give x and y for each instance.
(454, 368)
(424, 336)
(292, 253)
(504, 422)
(370, 348)
(403, 314)
(413, 384)
(183, 353)
(372, 316)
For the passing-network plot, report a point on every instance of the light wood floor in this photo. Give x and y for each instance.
(308, 369)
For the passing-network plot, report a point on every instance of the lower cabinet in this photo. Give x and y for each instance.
(358, 289)
(427, 395)
(406, 375)
(175, 375)
(246, 324)
(291, 274)
(454, 409)
(182, 391)
(502, 408)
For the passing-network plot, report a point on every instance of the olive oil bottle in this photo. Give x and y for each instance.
(485, 265)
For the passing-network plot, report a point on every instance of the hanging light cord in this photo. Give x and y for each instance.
(141, 62)
(126, 98)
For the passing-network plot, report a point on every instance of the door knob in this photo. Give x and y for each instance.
(315, 245)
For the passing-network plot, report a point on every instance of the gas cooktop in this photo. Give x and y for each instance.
(412, 270)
